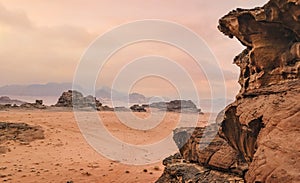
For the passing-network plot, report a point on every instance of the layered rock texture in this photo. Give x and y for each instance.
(203, 157)
(258, 139)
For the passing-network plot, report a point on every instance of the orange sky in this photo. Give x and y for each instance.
(42, 41)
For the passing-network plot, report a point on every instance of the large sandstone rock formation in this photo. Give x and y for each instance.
(263, 123)
(73, 98)
(260, 130)
(203, 157)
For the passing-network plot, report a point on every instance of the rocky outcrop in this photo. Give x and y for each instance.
(19, 132)
(73, 98)
(37, 105)
(203, 146)
(176, 106)
(203, 157)
(179, 170)
(258, 138)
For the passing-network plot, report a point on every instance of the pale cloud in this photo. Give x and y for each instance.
(42, 41)
(32, 54)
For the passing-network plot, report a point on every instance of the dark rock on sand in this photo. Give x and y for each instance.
(137, 108)
(19, 132)
(37, 105)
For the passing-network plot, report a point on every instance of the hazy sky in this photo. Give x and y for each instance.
(42, 41)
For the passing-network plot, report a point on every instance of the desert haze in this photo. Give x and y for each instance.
(143, 91)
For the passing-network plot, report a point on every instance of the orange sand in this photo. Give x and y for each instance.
(64, 155)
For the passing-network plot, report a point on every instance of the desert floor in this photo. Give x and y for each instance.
(64, 155)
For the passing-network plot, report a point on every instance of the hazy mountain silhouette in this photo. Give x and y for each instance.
(106, 93)
(49, 89)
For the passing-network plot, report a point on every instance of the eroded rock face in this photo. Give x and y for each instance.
(265, 130)
(205, 147)
(258, 138)
(263, 123)
(203, 157)
(271, 35)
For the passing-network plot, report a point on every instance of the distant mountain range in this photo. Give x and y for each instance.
(49, 89)
(56, 89)
(106, 93)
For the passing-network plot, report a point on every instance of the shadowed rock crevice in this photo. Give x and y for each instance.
(204, 157)
(241, 137)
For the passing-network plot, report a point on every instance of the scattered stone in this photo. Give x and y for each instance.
(156, 168)
(86, 173)
(3, 150)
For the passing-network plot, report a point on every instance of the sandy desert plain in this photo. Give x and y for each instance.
(65, 156)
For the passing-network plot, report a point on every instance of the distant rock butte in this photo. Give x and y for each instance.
(6, 100)
(73, 98)
(176, 106)
(258, 139)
